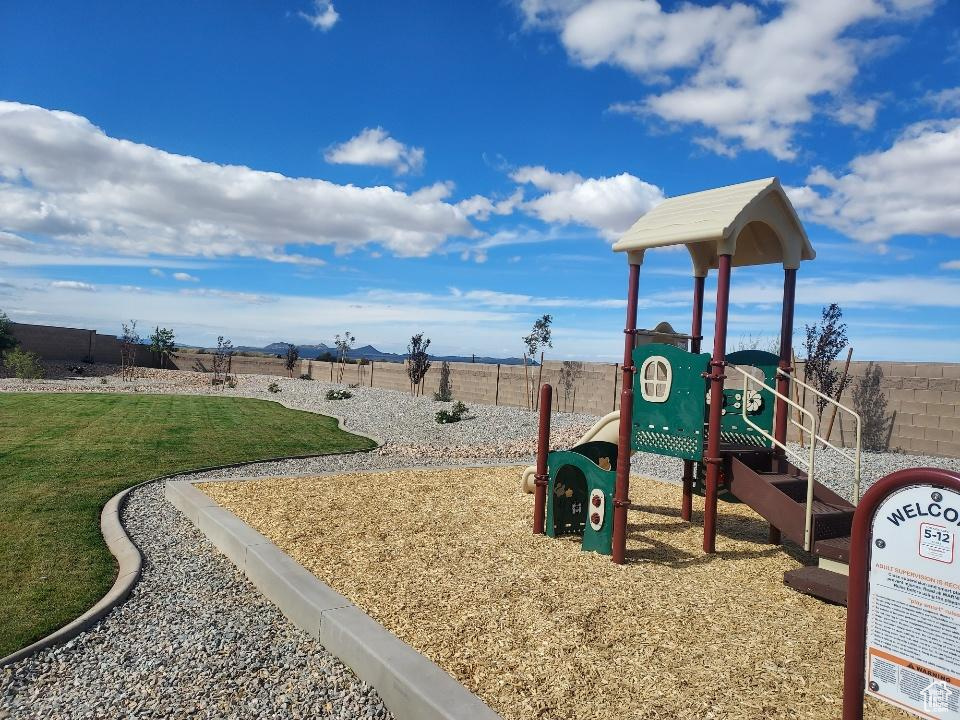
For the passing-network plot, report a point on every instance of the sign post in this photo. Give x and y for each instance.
(903, 600)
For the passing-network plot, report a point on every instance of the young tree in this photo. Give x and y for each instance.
(7, 340)
(870, 403)
(129, 341)
(161, 343)
(540, 337)
(23, 365)
(823, 343)
(570, 373)
(293, 355)
(444, 391)
(221, 361)
(343, 344)
(418, 361)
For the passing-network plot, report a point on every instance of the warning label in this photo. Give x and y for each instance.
(913, 616)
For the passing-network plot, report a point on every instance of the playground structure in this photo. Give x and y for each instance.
(674, 402)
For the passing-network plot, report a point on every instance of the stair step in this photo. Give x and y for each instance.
(819, 583)
(837, 549)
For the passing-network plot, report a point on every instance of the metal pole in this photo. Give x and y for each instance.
(696, 330)
(782, 411)
(621, 499)
(716, 377)
(543, 449)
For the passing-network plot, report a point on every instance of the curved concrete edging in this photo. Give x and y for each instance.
(130, 563)
(412, 686)
(129, 559)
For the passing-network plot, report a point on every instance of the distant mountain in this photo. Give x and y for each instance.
(369, 352)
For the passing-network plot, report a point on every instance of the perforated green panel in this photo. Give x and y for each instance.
(733, 430)
(669, 420)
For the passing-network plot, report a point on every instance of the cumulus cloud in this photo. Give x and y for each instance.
(63, 178)
(185, 277)
(750, 74)
(608, 204)
(908, 189)
(322, 15)
(374, 146)
(73, 285)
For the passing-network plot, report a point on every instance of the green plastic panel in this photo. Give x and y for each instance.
(573, 478)
(674, 425)
(733, 430)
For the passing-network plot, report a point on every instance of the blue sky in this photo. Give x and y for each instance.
(285, 170)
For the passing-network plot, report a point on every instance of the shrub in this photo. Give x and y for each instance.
(103, 381)
(338, 394)
(232, 382)
(870, 403)
(454, 414)
(7, 340)
(445, 393)
(305, 376)
(273, 387)
(24, 365)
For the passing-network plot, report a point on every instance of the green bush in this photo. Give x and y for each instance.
(338, 394)
(273, 387)
(454, 414)
(305, 377)
(24, 365)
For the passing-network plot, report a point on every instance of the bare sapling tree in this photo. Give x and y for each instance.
(570, 373)
(162, 345)
(220, 361)
(823, 343)
(418, 362)
(444, 391)
(540, 337)
(870, 403)
(344, 343)
(129, 341)
(293, 355)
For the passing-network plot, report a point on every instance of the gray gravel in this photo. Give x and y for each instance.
(195, 639)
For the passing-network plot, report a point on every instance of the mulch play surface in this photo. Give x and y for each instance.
(446, 561)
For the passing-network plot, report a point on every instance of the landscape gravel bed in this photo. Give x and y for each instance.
(195, 639)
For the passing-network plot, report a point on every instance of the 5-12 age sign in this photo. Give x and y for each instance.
(911, 633)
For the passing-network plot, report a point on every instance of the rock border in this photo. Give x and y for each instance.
(127, 554)
(412, 686)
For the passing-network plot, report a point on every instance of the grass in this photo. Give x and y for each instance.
(62, 456)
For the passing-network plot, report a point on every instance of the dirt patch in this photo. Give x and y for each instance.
(537, 628)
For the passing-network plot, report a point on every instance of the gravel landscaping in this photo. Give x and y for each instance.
(196, 639)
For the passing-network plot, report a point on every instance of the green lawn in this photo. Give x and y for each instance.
(62, 456)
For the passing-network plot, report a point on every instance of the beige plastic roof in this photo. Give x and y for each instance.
(753, 221)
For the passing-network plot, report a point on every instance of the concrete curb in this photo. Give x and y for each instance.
(411, 686)
(130, 563)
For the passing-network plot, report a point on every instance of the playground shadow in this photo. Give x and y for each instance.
(752, 530)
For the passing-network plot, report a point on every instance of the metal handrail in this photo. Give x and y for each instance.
(808, 512)
(857, 423)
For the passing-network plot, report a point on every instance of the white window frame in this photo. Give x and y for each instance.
(650, 394)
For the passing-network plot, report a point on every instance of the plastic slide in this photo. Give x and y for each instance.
(606, 429)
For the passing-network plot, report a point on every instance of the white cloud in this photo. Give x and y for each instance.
(946, 99)
(950, 265)
(63, 178)
(73, 285)
(609, 204)
(907, 189)
(752, 74)
(157, 272)
(869, 292)
(185, 277)
(322, 16)
(374, 146)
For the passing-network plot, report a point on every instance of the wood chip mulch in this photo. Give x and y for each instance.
(539, 629)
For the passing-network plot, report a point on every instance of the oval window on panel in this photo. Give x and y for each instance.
(656, 375)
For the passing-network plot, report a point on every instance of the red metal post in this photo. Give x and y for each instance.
(543, 449)
(783, 382)
(696, 330)
(854, 657)
(621, 492)
(717, 363)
